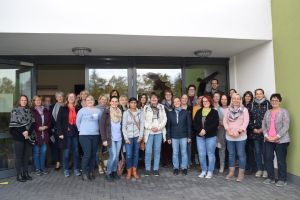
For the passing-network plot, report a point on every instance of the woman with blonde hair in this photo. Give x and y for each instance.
(42, 125)
(235, 121)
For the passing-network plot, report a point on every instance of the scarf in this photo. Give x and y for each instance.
(155, 111)
(167, 105)
(115, 114)
(205, 111)
(233, 113)
(55, 110)
(72, 115)
(260, 101)
(177, 110)
(21, 116)
(40, 110)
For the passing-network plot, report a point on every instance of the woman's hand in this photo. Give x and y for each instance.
(127, 141)
(169, 141)
(25, 134)
(61, 137)
(104, 143)
(140, 139)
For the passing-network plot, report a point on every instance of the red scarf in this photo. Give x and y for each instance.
(72, 115)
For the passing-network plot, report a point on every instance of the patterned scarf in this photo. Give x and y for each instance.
(155, 111)
(233, 113)
(115, 114)
(72, 115)
(21, 116)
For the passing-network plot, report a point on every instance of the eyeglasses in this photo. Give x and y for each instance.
(274, 100)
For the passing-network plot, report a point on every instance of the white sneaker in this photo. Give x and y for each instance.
(221, 170)
(202, 175)
(258, 173)
(265, 174)
(209, 175)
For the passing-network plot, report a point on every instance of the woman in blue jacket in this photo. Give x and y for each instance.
(179, 133)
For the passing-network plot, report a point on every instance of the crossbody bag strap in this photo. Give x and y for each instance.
(132, 117)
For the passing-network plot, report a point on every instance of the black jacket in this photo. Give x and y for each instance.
(211, 123)
(182, 129)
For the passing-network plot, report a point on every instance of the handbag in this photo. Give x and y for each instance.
(32, 138)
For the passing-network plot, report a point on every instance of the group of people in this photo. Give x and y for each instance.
(177, 130)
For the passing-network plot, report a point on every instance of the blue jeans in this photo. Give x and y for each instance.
(180, 144)
(132, 152)
(72, 144)
(281, 152)
(89, 144)
(39, 156)
(153, 140)
(207, 146)
(237, 147)
(114, 152)
(259, 155)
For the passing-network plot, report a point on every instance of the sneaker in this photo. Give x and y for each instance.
(258, 173)
(66, 173)
(175, 172)
(269, 181)
(77, 172)
(44, 172)
(209, 175)
(156, 173)
(221, 170)
(280, 183)
(147, 173)
(38, 173)
(184, 172)
(265, 174)
(202, 175)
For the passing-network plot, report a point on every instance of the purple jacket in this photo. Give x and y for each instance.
(38, 122)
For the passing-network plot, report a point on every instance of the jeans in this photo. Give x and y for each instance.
(207, 146)
(132, 152)
(22, 151)
(189, 153)
(72, 144)
(237, 147)
(153, 140)
(222, 140)
(180, 145)
(39, 156)
(114, 152)
(281, 152)
(259, 155)
(250, 160)
(89, 144)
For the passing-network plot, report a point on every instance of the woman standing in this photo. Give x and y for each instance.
(155, 132)
(111, 135)
(56, 149)
(87, 121)
(42, 124)
(133, 132)
(259, 107)
(236, 119)
(275, 127)
(21, 126)
(179, 134)
(68, 133)
(205, 125)
(143, 100)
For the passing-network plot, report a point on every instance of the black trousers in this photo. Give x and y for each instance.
(23, 151)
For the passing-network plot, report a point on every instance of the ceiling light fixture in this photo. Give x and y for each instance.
(203, 53)
(81, 51)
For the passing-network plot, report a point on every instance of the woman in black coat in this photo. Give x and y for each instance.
(68, 134)
(205, 126)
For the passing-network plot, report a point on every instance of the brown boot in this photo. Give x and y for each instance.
(241, 175)
(135, 173)
(129, 171)
(231, 173)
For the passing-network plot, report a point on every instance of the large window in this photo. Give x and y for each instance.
(103, 81)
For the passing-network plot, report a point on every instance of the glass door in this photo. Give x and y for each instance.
(16, 78)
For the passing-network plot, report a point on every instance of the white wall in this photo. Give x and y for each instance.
(252, 69)
(241, 19)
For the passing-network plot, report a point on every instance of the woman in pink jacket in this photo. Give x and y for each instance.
(236, 119)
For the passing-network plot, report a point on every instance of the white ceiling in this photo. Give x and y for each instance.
(120, 45)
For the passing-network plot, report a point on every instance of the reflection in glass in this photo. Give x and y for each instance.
(102, 81)
(158, 80)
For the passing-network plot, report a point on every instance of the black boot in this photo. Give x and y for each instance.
(92, 176)
(115, 175)
(20, 178)
(26, 176)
